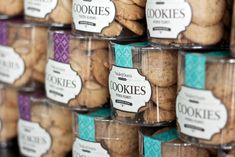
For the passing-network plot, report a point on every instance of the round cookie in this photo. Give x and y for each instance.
(64, 16)
(11, 7)
(8, 114)
(204, 35)
(133, 26)
(93, 95)
(122, 139)
(61, 118)
(127, 1)
(24, 78)
(81, 63)
(140, 3)
(156, 115)
(164, 97)
(100, 66)
(160, 68)
(128, 11)
(8, 131)
(114, 29)
(207, 12)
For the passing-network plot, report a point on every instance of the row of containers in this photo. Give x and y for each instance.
(183, 76)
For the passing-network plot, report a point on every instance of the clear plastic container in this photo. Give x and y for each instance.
(188, 22)
(8, 116)
(109, 19)
(77, 71)
(44, 130)
(165, 143)
(53, 12)
(142, 83)
(23, 49)
(205, 100)
(97, 135)
(9, 9)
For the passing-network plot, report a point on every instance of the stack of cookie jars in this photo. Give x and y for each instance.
(10, 67)
(44, 129)
(95, 24)
(200, 31)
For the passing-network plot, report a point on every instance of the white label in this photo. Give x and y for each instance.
(128, 89)
(167, 18)
(83, 148)
(62, 82)
(92, 15)
(39, 8)
(12, 66)
(199, 113)
(34, 141)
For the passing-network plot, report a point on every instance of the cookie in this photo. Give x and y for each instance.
(99, 66)
(164, 97)
(207, 13)
(133, 26)
(82, 65)
(204, 35)
(11, 7)
(127, 1)
(154, 114)
(61, 15)
(89, 45)
(160, 68)
(114, 29)
(8, 131)
(129, 11)
(92, 95)
(180, 40)
(8, 114)
(62, 118)
(122, 139)
(140, 3)
(123, 114)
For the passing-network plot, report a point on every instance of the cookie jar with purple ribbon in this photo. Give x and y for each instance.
(23, 48)
(98, 136)
(43, 130)
(142, 83)
(165, 143)
(52, 12)
(77, 71)
(205, 100)
(109, 19)
(189, 22)
(8, 116)
(10, 9)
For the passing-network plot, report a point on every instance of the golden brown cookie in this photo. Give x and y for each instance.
(133, 26)
(207, 13)
(140, 3)
(164, 97)
(114, 29)
(62, 13)
(129, 11)
(122, 139)
(154, 114)
(11, 7)
(205, 35)
(8, 131)
(160, 67)
(81, 63)
(99, 66)
(93, 95)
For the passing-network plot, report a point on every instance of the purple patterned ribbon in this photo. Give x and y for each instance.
(3, 33)
(61, 47)
(24, 107)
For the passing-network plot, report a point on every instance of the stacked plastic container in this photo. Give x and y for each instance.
(117, 78)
